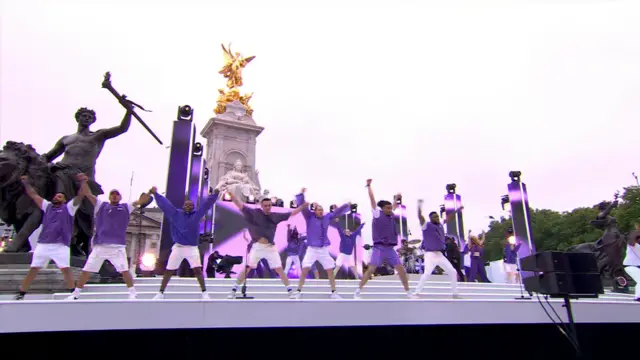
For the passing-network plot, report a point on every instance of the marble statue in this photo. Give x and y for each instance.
(238, 182)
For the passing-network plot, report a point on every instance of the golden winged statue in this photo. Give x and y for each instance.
(232, 71)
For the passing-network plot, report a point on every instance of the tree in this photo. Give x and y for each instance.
(552, 230)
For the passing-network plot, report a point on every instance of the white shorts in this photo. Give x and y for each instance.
(181, 252)
(60, 254)
(510, 268)
(116, 255)
(345, 260)
(264, 251)
(320, 255)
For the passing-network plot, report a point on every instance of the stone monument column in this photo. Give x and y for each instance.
(231, 150)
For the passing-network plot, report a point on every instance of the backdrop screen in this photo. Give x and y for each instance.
(230, 230)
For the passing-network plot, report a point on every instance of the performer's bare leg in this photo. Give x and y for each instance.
(332, 280)
(402, 273)
(283, 276)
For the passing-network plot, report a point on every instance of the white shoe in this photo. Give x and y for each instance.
(357, 295)
(232, 295)
(205, 295)
(133, 296)
(413, 296)
(72, 297)
(296, 294)
(159, 296)
(335, 296)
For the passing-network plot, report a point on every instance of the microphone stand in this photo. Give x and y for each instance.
(522, 297)
(244, 284)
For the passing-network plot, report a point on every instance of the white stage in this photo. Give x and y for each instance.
(104, 307)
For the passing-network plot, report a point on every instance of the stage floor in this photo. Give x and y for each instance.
(104, 307)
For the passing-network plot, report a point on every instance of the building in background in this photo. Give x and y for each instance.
(143, 233)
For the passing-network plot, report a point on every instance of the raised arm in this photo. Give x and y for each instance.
(481, 238)
(58, 149)
(300, 200)
(395, 200)
(372, 198)
(207, 205)
(31, 192)
(357, 231)
(165, 205)
(86, 192)
(120, 129)
(342, 210)
(237, 202)
(420, 216)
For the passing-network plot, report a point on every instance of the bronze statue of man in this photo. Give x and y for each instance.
(80, 152)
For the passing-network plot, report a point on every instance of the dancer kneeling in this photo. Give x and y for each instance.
(262, 228)
(318, 242)
(433, 243)
(385, 238)
(109, 242)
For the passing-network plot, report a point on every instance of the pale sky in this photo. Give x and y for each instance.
(414, 94)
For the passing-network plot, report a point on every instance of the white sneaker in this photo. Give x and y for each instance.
(72, 297)
(357, 295)
(133, 296)
(205, 295)
(335, 296)
(296, 294)
(159, 296)
(232, 295)
(412, 295)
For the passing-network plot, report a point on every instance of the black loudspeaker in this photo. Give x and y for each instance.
(565, 284)
(562, 274)
(555, 261)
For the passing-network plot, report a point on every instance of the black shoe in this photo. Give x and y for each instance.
(18, 297)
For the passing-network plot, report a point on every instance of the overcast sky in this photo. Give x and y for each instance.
(414, 94)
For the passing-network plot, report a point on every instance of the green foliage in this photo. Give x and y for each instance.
(552, 230)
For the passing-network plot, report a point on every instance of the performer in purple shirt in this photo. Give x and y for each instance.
(385, 238)
(293, 249)
(511, 259)
(185, 233)
(476, 248)
(318, 242)
(110, 239)
(347, 244)
(433, 244)
(262, 228)
(55, 237)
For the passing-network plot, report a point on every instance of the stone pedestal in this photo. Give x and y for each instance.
(231, 137)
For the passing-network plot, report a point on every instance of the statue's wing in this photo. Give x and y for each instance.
(248, 60)
(228, 56)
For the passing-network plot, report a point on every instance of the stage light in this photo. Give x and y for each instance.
(148, 262)
(512, 240)
(504, 201)
(197, 149)
(226, 197)
(451, 188)
(398, 199)
(443, 210)
(293, 204)
(312, 207)
(205, 175)
(354, 208)
(185, 112)
(279, 203)
(251, 199)
(515, 175)
(333, 208)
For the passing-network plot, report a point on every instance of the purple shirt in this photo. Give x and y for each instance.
(347, 242)
(293, 243)
(511, 255)
(433, 237)
(57, 223)
(185, 226)
(383, 229)
(317, 227)
(111, 223)
(262, 225)
(476, 249)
